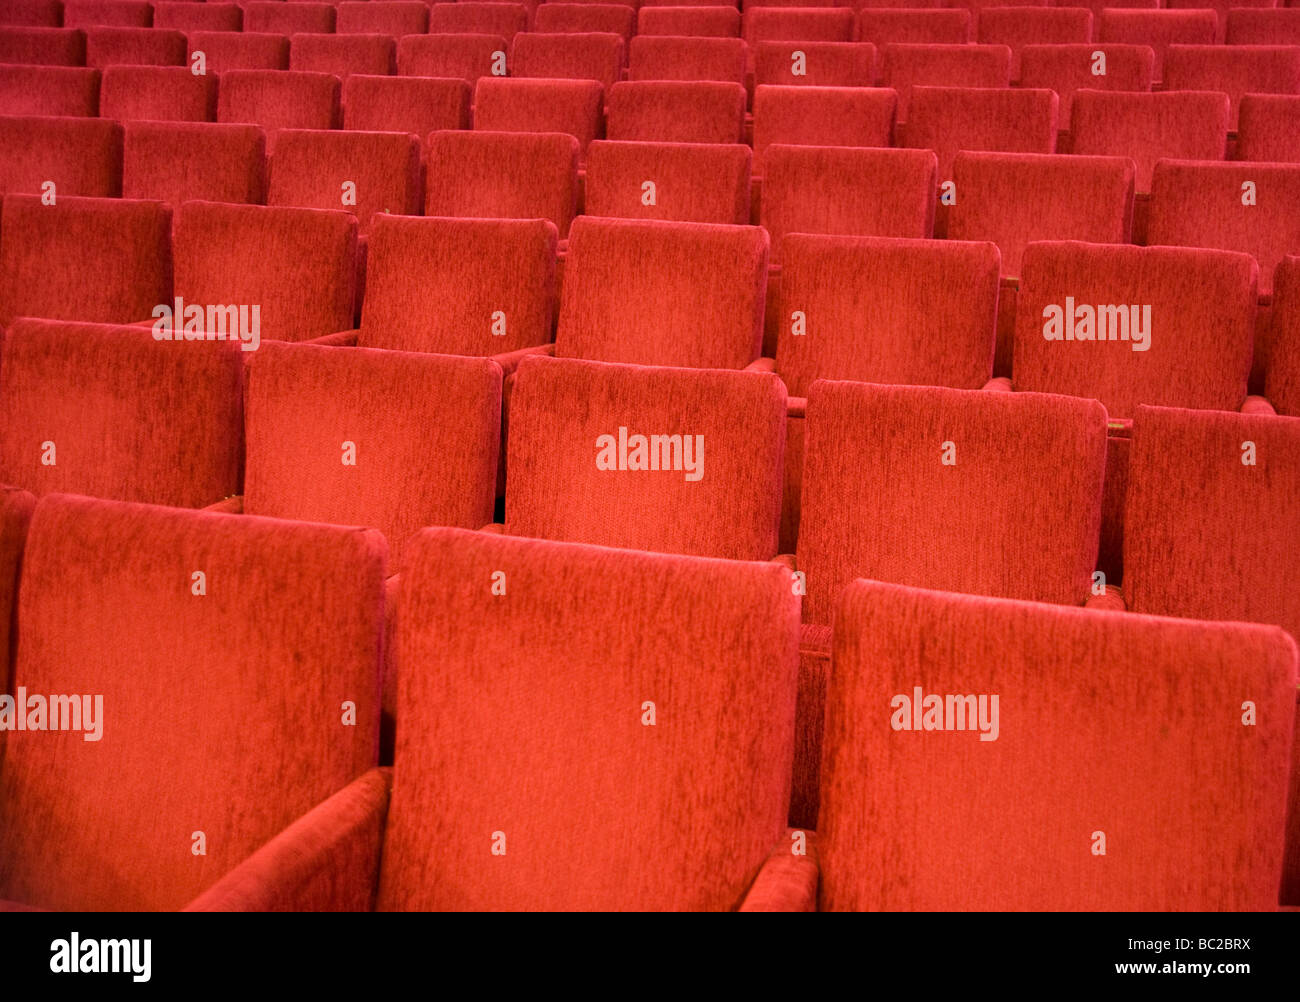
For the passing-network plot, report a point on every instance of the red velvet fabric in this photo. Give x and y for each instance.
(121, 13)
(1019, 27)
(1272, 26)
(791, 24)
(589, 55)
(288, 19)
(926, 27)
(950, 119)
(466, 57)
(823, 64)
(905, 65)
(415, 105)
(32, 13)
(49, 90)
(16, 506)
(113, 46)
(1068, 68)
(584, 18)
(693, 182)
(279, 99)
(234, 50)
(694, 22)
(1234, 70)
(381, 17)
(1268, 128)
(676, 111)
(1116, 726)
(494, 670)
(179, 162)
(575, 107)
(81, 156)
(821, 116)
(189, 16)
(1159, 29)
(1282, 360)
(43, 46)
(343, 55)
(157, 94)
(505, 19)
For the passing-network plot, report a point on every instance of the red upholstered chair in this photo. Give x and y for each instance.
(692, 182)
(668, 57)
(1159, 29)
(111, 412)
(1234, 70)
(157, 94)
(1210, 532)
(503, 175)
(177, 162)
(1281, 361)
(16, 506)
(49, 90)
(38, 46)
(573, 107)
(120, 834)
(505, 19)
(419, 106)
(905, 65)
(1189, 802)
(677, 111)
(342, 55)
(297, 265)
(364, 173)
(1019, 27)
(595, 55)
(1268, 128)
(924, 27)
(381, 17)
(278, 99)
(112, 46)
(585, 18)
(792, 24)
(120, 13)
(236, 50)
(32, 13)
(1269, 26)
(1014, 199)
(465, 57)
(189, 16)
(711, 478)
(815, 64)
(1223, 11)
(47, 253)
(821, 116)
(288, 18)
(1069, 68)
(1009, 120)
(689, 21)
(81, 156)
(661, 293)
(960, 490)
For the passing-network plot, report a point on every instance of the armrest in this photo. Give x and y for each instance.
(786, 882)
(761, 365)
(509, 361)
(1258, 405)
(1111, 601)
(786, 560)
(346, 339)
(327, 860)
(796, 406)
(233, 505)
(998, 384)
(496, 528)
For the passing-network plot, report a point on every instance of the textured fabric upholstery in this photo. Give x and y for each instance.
(32, 13)
(434, 285)
(466, 57)
(1268, 128)
(16, 506)
(39, 46)
(791, 24)
(381, 17)
(120, 13)
(1182, 125)
(81, 156)
(235, 50)
(693, 182)
(502, 175)
(583, 18)
(1069, 68)
(157, 94)
(279, 99)
(178, 162)
(342, 55)
(823, 64)
(668, 57)
(364, 173)
(556, 488)
(661, 293)
(574, 107)
(1191, 808)
(1201, 332)
(424, 428)
(189, 16)
(112, 46)
(1234, 70)
(486, 668)
(905, 65)
(1282, 369)
(415, 105)
(696, 22)
(221, 712)
(288, 18)
(676, 111)
(49, 90)
(1221, 10)
(935, 27)
(118, 414)
(47, 251)
(303, 273)
(594, 55)
(1157, 28)
(950, 119)
(505, 19)
(1272, 26)
(1019, 27)
(821, 116)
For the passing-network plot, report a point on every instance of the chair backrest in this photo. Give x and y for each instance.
(79, 156)
(686, 182)
(177, 162)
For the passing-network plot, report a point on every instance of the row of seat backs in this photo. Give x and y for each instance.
(258, 701)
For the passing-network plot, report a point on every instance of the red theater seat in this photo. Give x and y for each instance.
(120, 831)
(713, 489)
(190, 16)
(32, 13)
(915, 26)
(134, 47)
(505, 19)
(579, 18)
(115, 13)
(950, 119)
(502, 175)
(1234, 70)
(112, 412)
(1279, 26)
(288, 18)
(298, 265)
(234, 50)
(364, 173)
(422, 431)
(177, 162)
(904, 66)
(815, 64)
(16, 507)
(1268, 128)
(1199, 821)
(666, 57)
(465, 57)
(37, 46)
(1282, 355)
(821, 116)
(47, 253)
(1223, 10)
(689, 21)
(1070, 68)
(381, 17)
(49, 90)
(676, 111)
(1018, 27)
(797, 24)
(157, 94)
(278, 99)
(415, 105)
(1159, 29)
(79, 156)
(343, 55)
(586, 56)
(688, 182)
(656, 293)
(573, 107)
